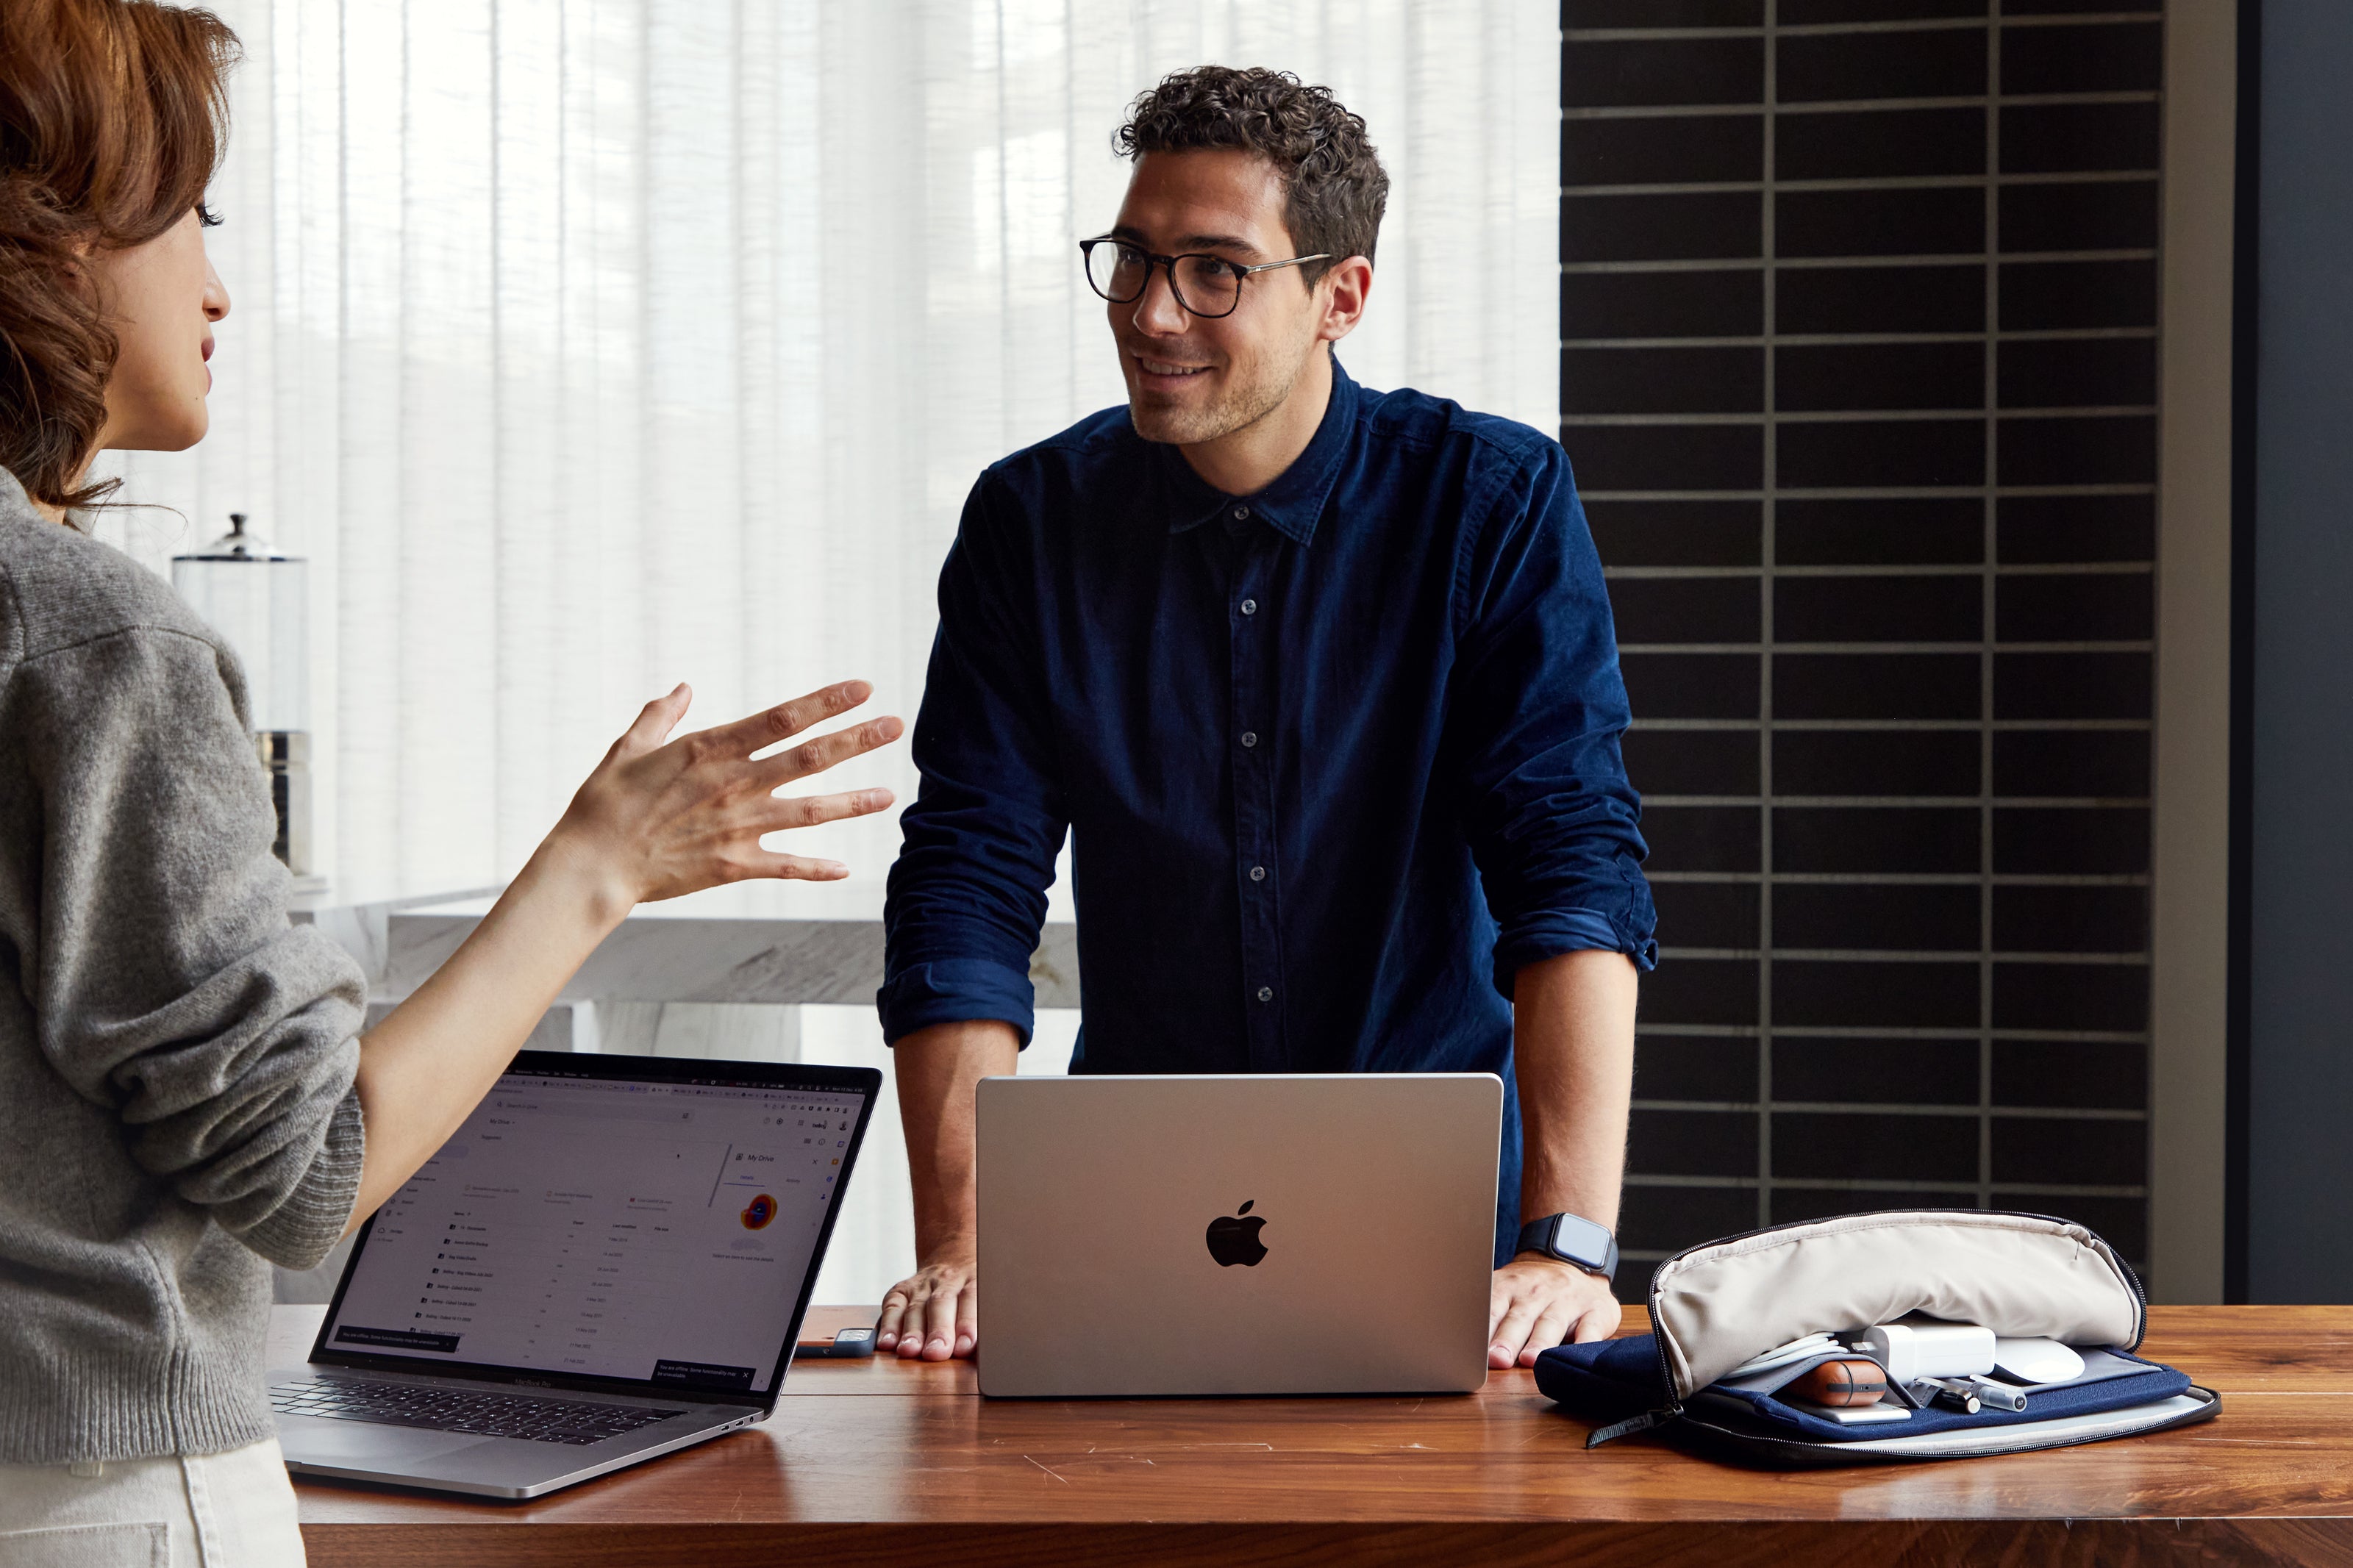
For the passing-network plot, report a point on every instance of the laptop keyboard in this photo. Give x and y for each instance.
(459, 1410)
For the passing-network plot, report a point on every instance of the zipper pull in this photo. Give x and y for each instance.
(1628, 1428)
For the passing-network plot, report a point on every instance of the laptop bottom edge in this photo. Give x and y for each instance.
(508, 1470)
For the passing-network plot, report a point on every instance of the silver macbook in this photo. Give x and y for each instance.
(609, 1260)
(1256, 1234)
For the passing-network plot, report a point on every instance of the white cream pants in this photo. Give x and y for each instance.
(220, 1510)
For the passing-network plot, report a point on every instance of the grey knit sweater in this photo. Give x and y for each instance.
(176, 1111)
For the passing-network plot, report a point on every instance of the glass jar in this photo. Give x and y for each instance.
(258, 598)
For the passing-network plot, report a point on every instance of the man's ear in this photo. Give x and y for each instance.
(1345, 289)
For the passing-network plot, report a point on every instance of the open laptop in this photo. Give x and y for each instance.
(1257, 1234)
(609, 1260)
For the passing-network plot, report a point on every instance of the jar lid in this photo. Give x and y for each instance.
(237, 544)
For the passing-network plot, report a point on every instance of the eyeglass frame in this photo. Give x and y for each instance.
(1168, 264)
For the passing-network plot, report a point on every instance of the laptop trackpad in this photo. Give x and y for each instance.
(321, 1440)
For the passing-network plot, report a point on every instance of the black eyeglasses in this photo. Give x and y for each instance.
(1206, 286)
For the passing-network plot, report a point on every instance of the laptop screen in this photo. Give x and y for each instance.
(657, 1221)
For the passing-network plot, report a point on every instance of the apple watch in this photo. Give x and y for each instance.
(1574, 1240)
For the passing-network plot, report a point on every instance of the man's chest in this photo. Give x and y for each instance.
(1217, 667)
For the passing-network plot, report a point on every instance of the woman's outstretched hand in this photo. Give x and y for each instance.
(658, 818)
(661, 818)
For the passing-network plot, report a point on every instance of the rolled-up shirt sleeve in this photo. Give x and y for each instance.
(167, 983)
(967, 894)
(1535, 710)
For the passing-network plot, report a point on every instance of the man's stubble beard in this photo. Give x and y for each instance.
(1244, 403)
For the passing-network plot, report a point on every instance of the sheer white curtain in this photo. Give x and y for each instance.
(590, 346)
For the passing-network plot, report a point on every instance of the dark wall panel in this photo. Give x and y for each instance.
(1859, 299)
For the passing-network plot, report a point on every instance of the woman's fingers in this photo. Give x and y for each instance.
(795, 868)
(814, 756)
(787, 719)
(808, 810)
(669, 816)
(804, 812)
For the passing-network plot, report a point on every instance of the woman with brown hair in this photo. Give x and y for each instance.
(184, 1098)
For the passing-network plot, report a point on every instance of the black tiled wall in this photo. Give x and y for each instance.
(1859, 303)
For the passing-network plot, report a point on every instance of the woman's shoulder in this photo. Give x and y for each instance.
(61, 588)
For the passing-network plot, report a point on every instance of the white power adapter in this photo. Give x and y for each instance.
(1917, 1348)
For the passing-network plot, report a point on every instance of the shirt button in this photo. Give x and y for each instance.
(1241, 514)
(1250, 739)
(1249, 606)
(1266, 993)
(1258, 873)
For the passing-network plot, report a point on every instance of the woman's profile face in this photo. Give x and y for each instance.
(161, 299)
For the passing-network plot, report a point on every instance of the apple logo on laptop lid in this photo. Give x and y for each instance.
(1233, 1239)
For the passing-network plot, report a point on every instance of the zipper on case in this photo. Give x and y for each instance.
(1673, 1408)
(1628, 1428)
(2140, 1297)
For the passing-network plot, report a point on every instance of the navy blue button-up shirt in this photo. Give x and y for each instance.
(1339, 758)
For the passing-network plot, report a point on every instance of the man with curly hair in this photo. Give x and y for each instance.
(1324, 684)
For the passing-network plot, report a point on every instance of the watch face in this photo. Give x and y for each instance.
(1581, 1241)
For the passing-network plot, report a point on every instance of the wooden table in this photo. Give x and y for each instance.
(872, 1462)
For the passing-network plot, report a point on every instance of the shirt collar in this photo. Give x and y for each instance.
(1295, 501)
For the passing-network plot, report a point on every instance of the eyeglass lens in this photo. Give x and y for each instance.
(1205, 286)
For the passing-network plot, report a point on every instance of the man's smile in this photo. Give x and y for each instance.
(1168, 369)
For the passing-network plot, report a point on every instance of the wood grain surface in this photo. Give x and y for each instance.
(871, 1462)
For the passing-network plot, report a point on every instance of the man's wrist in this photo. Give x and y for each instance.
(1528, 1255)
(945, 1245)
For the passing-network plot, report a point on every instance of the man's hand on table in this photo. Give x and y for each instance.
(1538, 1302)
(934, 1315)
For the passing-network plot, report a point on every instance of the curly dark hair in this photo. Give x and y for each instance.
(113, 114)
(1334, 186)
